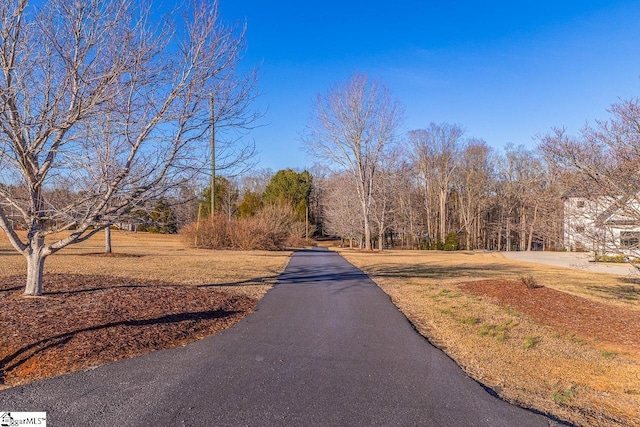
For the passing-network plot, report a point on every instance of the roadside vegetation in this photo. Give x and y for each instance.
(272, 219)
(477, 308)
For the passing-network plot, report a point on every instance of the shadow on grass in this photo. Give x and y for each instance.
(105, 255)
(443, 272)
(30, 351)
(248, 282)
(625, 292)
(9, 252)
(632, 280)
(240, 283)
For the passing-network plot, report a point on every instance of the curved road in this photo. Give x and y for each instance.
(326, 347)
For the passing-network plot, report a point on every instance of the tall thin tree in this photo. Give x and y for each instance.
(352, 126)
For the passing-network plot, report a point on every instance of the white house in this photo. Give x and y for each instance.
(601, 224)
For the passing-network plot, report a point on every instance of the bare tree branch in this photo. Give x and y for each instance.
(113, 103)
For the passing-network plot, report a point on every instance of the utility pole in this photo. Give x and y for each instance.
(213, 156)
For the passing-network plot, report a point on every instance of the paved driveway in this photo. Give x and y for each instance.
(326, 347)
(574, 260)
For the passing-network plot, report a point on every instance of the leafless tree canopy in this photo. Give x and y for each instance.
(106, 102)
(439, 190)
(353, 125)
(604, 162)
(435, 150)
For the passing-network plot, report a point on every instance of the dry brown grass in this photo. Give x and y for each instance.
(158, 258)
(526, 362)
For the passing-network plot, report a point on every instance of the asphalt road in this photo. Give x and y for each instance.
(326, 347)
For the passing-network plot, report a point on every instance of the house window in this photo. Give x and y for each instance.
(580, 204)
(630, 239)
(580, 229)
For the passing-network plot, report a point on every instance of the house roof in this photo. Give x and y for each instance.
(616, 215)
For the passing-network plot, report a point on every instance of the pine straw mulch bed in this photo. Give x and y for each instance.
(587, 319)
(84, 321)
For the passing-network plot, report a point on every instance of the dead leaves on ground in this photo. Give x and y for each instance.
(83, 321)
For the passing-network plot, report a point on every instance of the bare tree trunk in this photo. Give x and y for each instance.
(499, 241)
(478, 231)
(107, 240)
(430, 225)
(523, 229)
(533, 223)
(367, 236)
(443, 214)
(35, 266)
(469, 232)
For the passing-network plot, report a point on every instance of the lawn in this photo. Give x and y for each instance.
(570, 348)
(151, 293)
(158, 258)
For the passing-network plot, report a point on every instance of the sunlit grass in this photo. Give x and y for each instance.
(158, 258)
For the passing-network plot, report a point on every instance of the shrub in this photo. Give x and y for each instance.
(271, 228)
(248, 234)
(212, 232)
(296, 241)
(451, 242)
(620, 258)
(530, 282)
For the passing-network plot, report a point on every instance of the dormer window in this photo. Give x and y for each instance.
(580, 204)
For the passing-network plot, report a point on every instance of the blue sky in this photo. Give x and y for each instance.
(505, 71)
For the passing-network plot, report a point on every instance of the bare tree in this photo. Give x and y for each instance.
(408, 221)
(185, 204)
(472, 186)
(230, 196)
(320, 174)
(385, 193)
(93, 94)
(352, 126)
(435, 150)
(342, 215)
(509, 202)
(606, 157)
